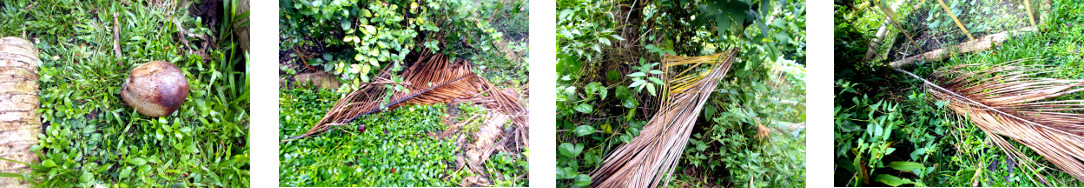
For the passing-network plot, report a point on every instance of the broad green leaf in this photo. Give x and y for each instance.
(891, 180)
(569, 150)
(48, 163)
(906, 166)
(584, 130)
(345, 24)
(582, 180)
(583, 108)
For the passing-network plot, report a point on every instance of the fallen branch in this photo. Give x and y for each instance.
(116, 37)
(981, 44)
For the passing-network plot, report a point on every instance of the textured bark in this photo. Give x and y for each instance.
(241, 32)
(19, 121)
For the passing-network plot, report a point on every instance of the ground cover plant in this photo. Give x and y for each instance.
(890, 131)
(610, 71)
(334, 51)
(91, 138)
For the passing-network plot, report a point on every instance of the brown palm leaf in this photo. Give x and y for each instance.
(431, 79)
(1009, 101)
(652, 156)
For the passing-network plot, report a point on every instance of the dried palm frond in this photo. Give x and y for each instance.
(652, 156)
(431, 79)
(1009, 101)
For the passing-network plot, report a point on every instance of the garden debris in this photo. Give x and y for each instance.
(651, 157)
(116, 37)
(431, 79)
(318, 79)
(1007, 100)
(485, 142)
(455, 127)
(20, 123)
(475, 181)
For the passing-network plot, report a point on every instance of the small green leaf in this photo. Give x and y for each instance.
(651, 88)
(137, 161)
(48, 163)
(617, 37)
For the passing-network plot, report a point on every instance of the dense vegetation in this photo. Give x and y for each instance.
(608, 62)
(889, 131)
(354, 41)
(92, 138)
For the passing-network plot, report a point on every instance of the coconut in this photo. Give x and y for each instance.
(155, 89)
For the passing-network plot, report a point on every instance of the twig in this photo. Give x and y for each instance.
(116, 37)
(181, 32)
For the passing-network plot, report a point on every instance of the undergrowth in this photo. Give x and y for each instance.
(608, 68)
(888, 131)
(395, 148)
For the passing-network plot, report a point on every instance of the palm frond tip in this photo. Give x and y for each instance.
(651, 157)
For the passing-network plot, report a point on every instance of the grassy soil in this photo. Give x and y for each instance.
(92, 137)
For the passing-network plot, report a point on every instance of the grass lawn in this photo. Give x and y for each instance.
(93, 138)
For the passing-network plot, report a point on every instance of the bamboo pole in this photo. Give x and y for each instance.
(953, 16)
(1031, 16)
(878, 39)
(895, 22)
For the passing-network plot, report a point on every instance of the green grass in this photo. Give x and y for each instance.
(394, 150)
(93, 138)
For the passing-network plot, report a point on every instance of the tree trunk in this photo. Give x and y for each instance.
(980, 44)
(241, 32)
(19, 120)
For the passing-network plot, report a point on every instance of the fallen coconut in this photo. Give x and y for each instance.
(155, 89)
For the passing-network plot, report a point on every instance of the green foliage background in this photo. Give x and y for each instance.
(355, 39)
(608, 67)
